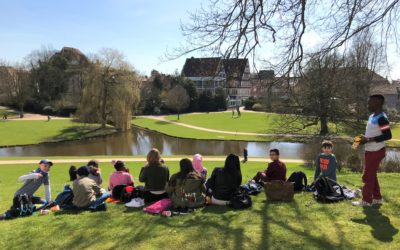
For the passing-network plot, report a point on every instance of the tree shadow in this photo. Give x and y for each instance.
(381, 227)
(158, 122)
(80, 132)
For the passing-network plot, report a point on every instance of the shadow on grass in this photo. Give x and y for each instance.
(158, 122)
(381, 227)
(79, 132)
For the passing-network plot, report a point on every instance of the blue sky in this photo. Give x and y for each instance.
(142, 29)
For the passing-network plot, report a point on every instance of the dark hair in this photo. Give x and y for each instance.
(93, 163)
(327, 144)
(380, 98)
(274, 150)
(119, 165)
(72, 173)
(232, 163)
(82, 171)
(186, 167)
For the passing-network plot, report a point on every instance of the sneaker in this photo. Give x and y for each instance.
(377, 202)
(136, 202)
(361, 204)
(358, 193)
(2, 216)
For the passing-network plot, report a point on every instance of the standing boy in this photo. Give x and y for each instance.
(377, 131)
(326, 163)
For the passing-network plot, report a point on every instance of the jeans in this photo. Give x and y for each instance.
(100, 200)
(371, 189)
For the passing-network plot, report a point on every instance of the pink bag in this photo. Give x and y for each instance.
(158, 207)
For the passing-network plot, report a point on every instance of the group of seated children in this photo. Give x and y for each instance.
(187, 188)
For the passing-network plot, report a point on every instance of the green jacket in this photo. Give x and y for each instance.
(188, 192)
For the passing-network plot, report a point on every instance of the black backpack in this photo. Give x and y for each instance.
(65, 198)
(240, 200)
(121, 193)
(327, 190)
(22, 206)
(300, 181)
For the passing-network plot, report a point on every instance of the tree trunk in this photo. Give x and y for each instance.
(104, 105)
(324, 125)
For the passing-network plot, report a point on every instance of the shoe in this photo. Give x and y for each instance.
(358, 193)
(377, 202)
(136, 202)
(2, 216)
(361, 204)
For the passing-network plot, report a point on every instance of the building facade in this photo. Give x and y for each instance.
(209, 74)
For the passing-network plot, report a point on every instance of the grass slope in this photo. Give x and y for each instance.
(302, 224)
(253, 122)
(32, 132)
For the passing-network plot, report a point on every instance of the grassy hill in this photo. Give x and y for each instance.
(301, 224)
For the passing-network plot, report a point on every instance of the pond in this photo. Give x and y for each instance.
(139, 142)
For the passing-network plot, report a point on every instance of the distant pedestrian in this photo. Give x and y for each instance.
(5, 117)
(233, 113)
(48, 118)
(237, 110)
(245, 154)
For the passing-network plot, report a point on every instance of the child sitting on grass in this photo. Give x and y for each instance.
(326, 163)
(276, 169)
(32, 183)
(87, 194)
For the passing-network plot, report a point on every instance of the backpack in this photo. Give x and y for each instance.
(251, 188)
(299, 179)
(327, 190)
(240, 200)
(22, 206)
(126, 194)
(123, 193)
(159, 206)
(64, 199)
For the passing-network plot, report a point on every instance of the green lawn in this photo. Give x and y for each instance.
(249, 122)
(301, 224)
(254, 122)
(183, 132)
(32, 132)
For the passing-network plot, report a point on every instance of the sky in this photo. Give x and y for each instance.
(143, 30)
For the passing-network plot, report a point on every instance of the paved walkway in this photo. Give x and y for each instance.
(107, 160)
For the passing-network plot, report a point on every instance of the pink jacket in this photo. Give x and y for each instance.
(120, 178)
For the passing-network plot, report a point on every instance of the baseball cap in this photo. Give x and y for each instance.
(47, 162)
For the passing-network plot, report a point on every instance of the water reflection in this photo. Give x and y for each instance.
(139, 142)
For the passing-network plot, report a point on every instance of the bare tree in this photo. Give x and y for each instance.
(240, 28)
(177, 99)
(16, 85)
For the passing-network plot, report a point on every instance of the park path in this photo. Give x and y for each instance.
(108, 160)
(163, 119)
(29, 116)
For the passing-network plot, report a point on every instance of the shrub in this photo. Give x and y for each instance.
(257, 107)
(249, 102)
